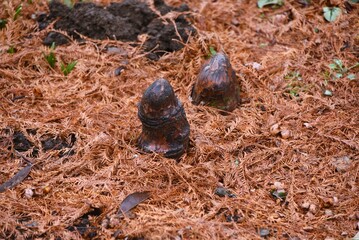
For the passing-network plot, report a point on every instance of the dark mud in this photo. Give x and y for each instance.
(120, 21)
(20, 142)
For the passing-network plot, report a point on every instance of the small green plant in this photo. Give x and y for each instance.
(262, 3)
(338, 70)
(51, 58)
(17, 11)
(66, 69)
(3, 23)
(211, 52)
(331, 13)
(11, 50)
(294, 86)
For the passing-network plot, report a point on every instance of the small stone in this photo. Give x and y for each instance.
(308, 229)
(256, 66)
(335, 200)
(235, 22)
(29, 193)
(263, 232)
(285, 134)
(307, 125)
(344, 234)
(328, 212)
(341, 164)
(306, 205)
(274, 129)
(329, 238)
(313, 208)
(278, 185)
(310, 215)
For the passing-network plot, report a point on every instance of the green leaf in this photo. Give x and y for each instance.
(11, 50)
(331, 14)
(328, 93)
(332, 66)
(339, 63)
(279, 194)
(17, 11)
(51, 59)
(351, 76)
(262, 3)
(212, 51)
(354, 1)
(67, 69)
(3, 23)
(338, 75)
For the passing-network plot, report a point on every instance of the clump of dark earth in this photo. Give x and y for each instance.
(119, 21)
(58, 143)
(84, 226)
(21, 143)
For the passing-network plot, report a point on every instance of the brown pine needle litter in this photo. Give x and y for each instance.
(80, 131)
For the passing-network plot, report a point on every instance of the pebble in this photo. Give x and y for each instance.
(328, 212)
(29, 193)
(306, 205)
(285, 134)
(278, 185)
(263, 232)
(341, 164)
(313, 208)
(274, 129)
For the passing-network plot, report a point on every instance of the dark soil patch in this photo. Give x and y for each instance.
(122, 21)
(21, 143)
(84, 226)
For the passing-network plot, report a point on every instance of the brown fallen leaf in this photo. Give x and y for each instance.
(132, 201)
(15, 180)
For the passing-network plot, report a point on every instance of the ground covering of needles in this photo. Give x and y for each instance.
(283, 165)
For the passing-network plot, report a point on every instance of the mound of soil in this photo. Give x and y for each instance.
(120, 21)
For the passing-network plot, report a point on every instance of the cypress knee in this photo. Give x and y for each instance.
(217, 84)
(165, 128)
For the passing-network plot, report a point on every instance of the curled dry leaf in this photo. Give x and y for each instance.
(15, 180)
(132, 201)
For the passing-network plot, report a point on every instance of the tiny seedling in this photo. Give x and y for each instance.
(17, 11)
(11, 50)
(51, 58)
(294, 86)
(262, 3)
(331, 13)
(3, 23)
(212, 51)
(338, 70)
(66, 69)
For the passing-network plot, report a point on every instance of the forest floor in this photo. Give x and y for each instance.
(288, 155)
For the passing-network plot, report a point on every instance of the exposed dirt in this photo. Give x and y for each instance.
(283, 165)
(120, 21)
